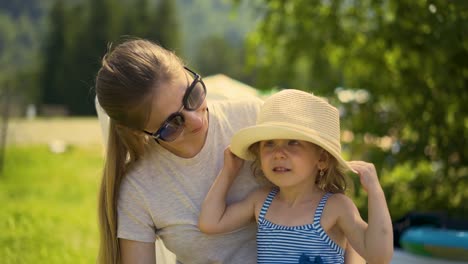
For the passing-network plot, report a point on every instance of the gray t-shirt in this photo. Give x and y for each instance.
(162, 194)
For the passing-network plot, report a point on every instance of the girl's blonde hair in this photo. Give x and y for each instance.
(333, 180)
(125, 85)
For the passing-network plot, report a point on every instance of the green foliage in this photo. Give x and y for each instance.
(412, 59)
(214, 35)
(92, 28)
(78, 37)
(52, 49)
(17, 8)
(217, 55)
(168, 25)
(18, 40)
(205, 22)
(49, 205)
(53, 69)
(136, 16)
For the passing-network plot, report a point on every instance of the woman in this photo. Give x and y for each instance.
(165, 148)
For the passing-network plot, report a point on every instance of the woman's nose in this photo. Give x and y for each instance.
(193, 119)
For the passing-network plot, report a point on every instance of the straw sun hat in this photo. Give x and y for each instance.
(293, 114)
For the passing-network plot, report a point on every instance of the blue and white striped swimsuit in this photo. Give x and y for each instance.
(288, 244)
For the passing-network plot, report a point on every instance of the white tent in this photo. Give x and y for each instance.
(222, 87)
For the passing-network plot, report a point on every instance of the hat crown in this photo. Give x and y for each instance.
(305, 111)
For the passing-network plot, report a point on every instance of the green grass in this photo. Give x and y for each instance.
(48, 205)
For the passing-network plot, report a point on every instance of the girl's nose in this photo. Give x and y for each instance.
(279, 152)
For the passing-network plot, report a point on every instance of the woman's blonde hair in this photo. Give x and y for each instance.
(333, 180)
(125, 86)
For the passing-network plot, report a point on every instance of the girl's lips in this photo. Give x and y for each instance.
(280, 169)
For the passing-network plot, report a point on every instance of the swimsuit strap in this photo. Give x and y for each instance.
(267, 203)
(321, 205)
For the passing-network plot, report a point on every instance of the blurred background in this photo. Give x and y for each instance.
(397, 70)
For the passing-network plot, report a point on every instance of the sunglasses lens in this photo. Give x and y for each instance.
(173, 128)
(196, 97)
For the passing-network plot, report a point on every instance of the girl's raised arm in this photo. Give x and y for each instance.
(215, 216)
(372, 240)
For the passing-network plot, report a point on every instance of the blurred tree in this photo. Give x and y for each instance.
(8, 33)
(77, 39)
(53, 69)
(18, 57)
(217, 55)
(165, 27)
(410, 56)
(17, 8)
(94, 28)
(136, 18)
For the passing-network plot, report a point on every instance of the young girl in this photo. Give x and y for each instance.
(305, 216)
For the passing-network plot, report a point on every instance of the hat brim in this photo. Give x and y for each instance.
(245, 137)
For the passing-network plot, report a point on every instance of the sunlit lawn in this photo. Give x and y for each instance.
(48, 205)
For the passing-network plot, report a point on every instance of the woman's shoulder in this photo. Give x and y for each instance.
(138, 172)
(235, 114)
(247, 104)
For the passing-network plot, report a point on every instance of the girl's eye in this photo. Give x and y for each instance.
(293, 142)
(268, 143)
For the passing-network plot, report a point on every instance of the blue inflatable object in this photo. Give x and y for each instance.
(436, 242)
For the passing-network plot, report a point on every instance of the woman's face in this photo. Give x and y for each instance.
(168, 100)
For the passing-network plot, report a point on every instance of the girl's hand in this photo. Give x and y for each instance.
(232, 163)
(367, 174)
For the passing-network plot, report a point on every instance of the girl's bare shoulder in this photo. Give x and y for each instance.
(341, 204)
(260, 194)
(258, 197)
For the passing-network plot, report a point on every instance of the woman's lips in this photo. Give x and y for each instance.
(197, 130)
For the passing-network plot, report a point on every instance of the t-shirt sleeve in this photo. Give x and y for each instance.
(134, 221)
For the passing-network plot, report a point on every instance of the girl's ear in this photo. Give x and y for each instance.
(324, 160)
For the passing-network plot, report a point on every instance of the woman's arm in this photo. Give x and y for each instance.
(135, 252)
(372, 240)
(215, 216)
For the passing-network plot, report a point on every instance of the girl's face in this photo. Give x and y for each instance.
(167, 101)
(288, 163)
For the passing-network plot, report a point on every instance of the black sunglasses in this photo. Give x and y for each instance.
(192, 100)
